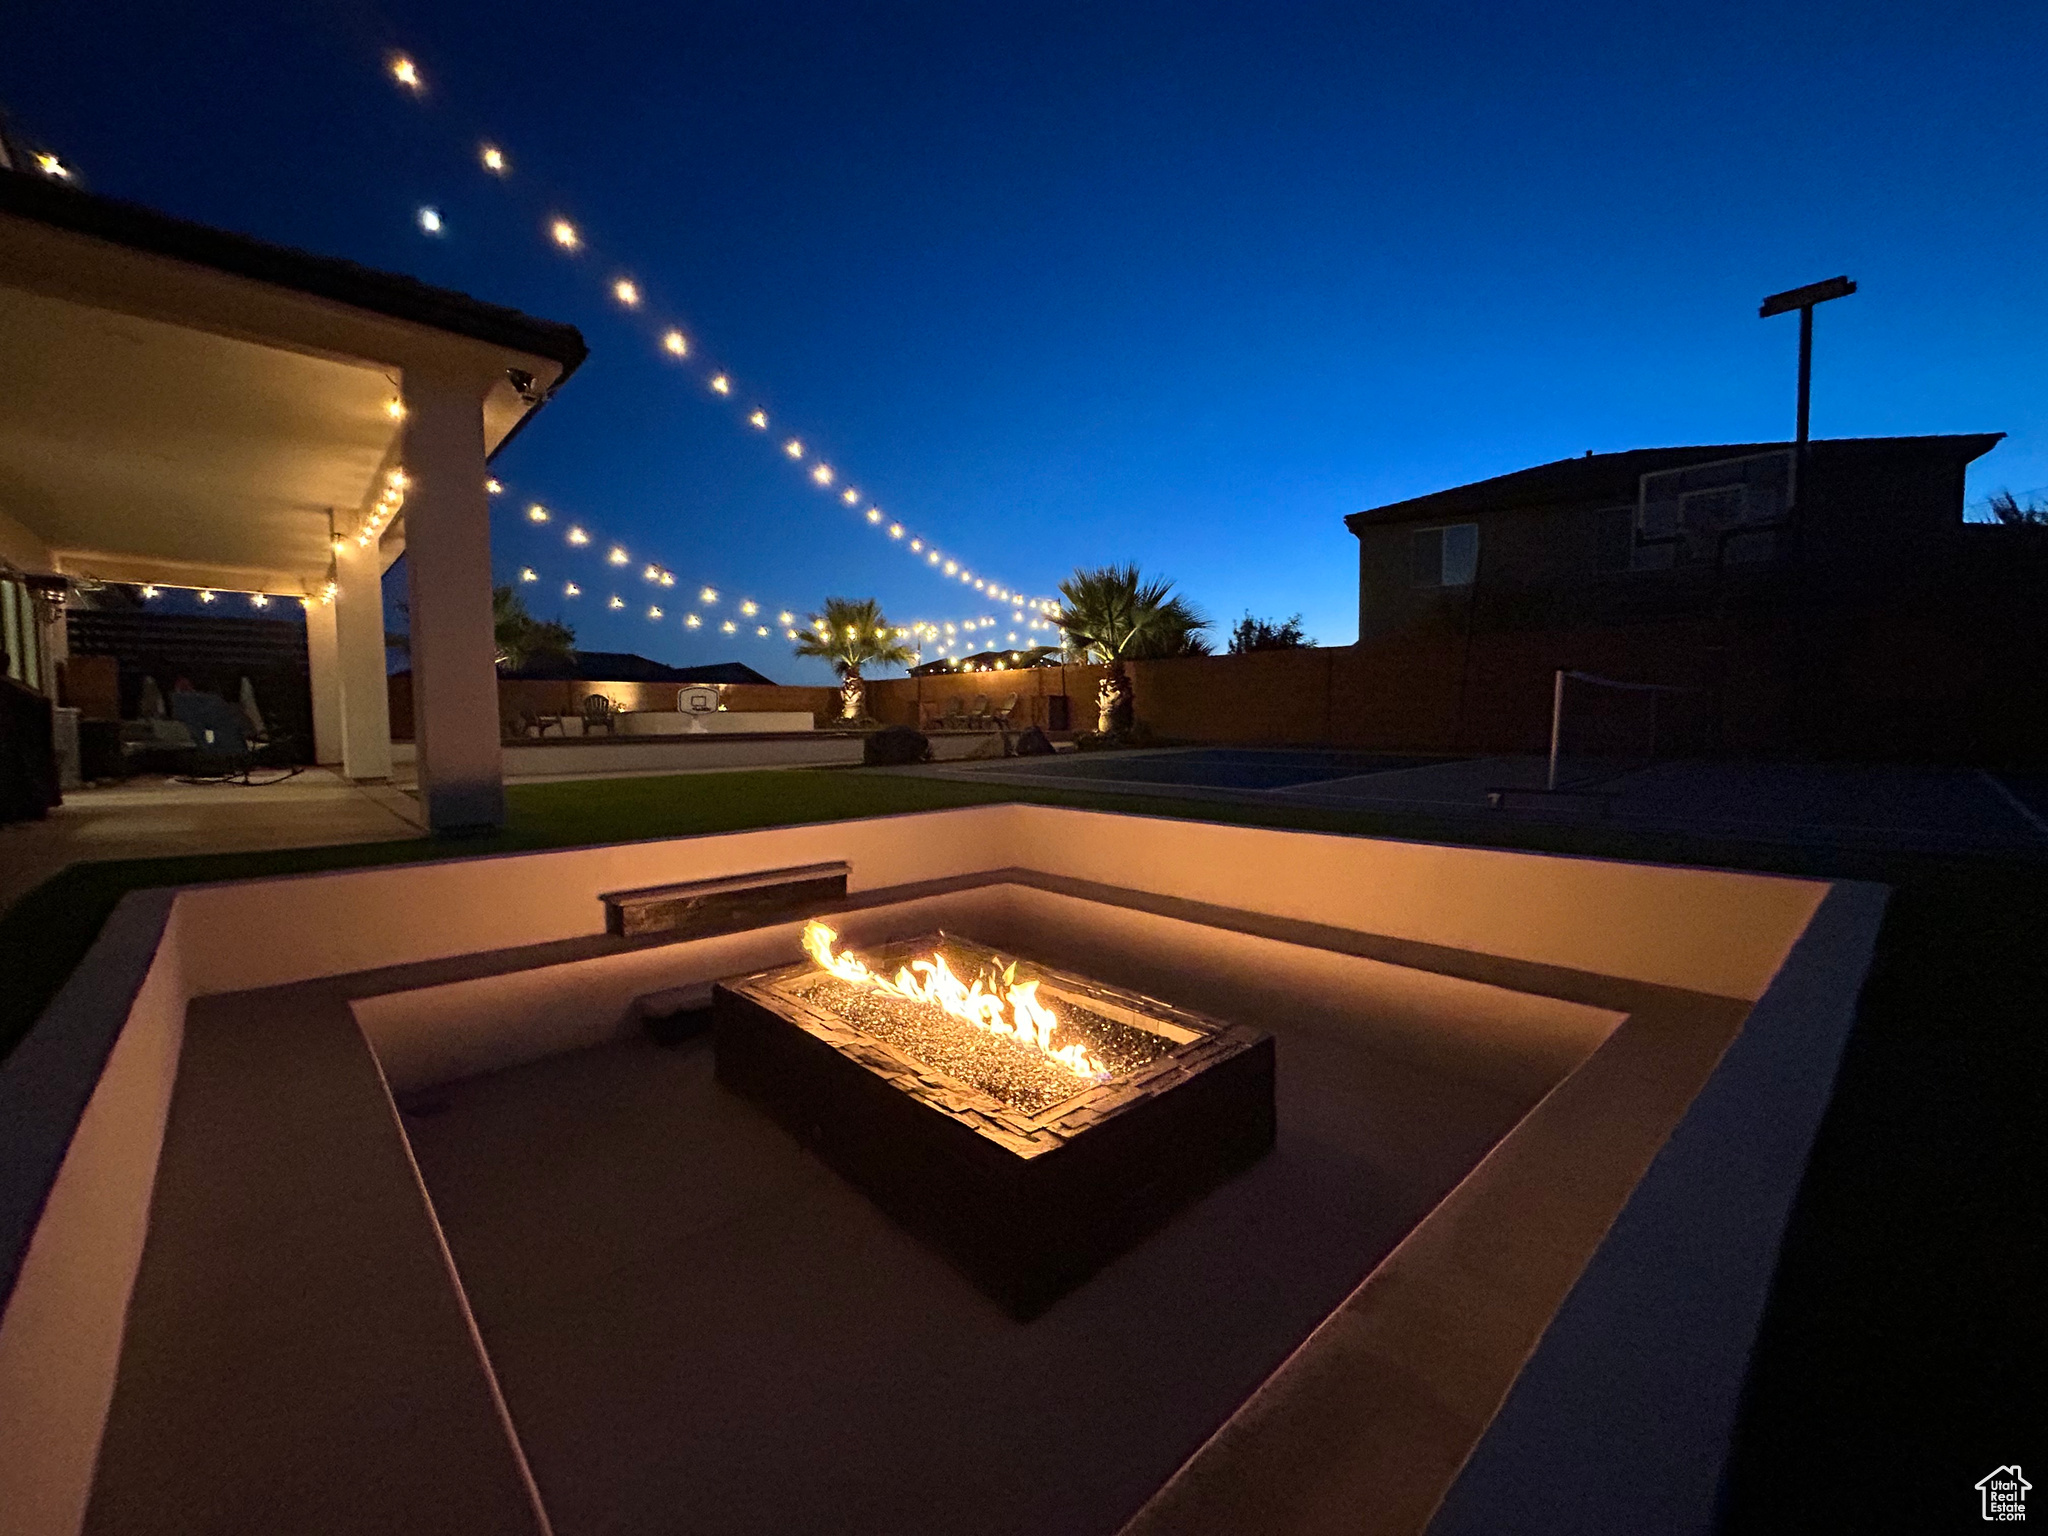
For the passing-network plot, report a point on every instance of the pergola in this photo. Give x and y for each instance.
(190, 407)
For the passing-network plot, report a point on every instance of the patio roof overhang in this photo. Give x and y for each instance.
(192, 407)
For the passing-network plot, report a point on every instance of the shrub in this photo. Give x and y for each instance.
(894, 745)
(1032, 742)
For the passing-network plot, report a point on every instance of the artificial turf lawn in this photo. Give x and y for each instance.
(1903, 1324)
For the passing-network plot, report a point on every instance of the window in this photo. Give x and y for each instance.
(1444, 557)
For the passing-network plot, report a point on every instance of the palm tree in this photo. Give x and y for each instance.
(516, 635)
(852, 634)
(1113, 615)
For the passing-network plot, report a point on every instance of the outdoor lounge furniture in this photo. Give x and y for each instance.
(1006, 717)
(600, 711)
(979, 715)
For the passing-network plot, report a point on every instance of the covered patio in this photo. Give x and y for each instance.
(189, 407)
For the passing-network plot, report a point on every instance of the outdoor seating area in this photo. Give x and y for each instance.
(1474, 1116)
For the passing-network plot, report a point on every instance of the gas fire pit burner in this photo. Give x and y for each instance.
(1032, 1124)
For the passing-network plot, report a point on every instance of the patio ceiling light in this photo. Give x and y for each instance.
(51, 166)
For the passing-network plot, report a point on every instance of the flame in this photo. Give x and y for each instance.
(1015, 1012)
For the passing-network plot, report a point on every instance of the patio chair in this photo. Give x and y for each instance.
(955, 717)
(600, 711)
(979, 715)
(1006, 717)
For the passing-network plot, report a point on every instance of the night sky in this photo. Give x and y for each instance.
(1060, 285)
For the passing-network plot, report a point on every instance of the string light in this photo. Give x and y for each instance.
(51, 166)
(785, 617)
(760, 629)
(570, 589)
(258, 600)
(494, 487)
(205, 595)
(852, 498)
(708, 595)
(728, 627)
(148, 592)
(749, 608)
(691, 621)
(916, 545)
(874, 514)
(652, 573)
(616, 602)
(527, 573)
(618, 556)
(395, 409)
(578, 536)
(536, 513)
(626, 291)
(654, 613)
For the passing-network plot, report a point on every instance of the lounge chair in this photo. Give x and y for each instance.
(600, 711)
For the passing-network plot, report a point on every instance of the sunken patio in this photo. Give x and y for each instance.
(430, 1199)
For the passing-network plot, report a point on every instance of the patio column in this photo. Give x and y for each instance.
(359, 657)
(323, 666)
(448, 564)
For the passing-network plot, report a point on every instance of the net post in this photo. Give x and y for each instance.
(1556, 719)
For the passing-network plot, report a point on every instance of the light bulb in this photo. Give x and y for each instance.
(626, 292)
(537, 513)
(721, 385)
(430, 220)
(675, 345)
(759, 419)
(405, 72)
(565, 235)
(494, 159)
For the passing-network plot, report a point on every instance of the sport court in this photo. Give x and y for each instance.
(1892, 806)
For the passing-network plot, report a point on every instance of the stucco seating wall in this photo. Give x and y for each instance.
(234, 1296)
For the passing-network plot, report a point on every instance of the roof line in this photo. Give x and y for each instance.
(391, 294)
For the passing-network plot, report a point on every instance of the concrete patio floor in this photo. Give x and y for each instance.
(699, 1326)
(156, 817)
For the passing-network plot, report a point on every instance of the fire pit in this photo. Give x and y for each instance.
(1031, 1124)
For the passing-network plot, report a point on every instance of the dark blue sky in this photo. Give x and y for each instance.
(1070, 284)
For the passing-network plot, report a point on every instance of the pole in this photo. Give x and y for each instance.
(1805, 367)
(1556, 720)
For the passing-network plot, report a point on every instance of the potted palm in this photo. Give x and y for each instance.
(852, 633)
(1113, 615)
